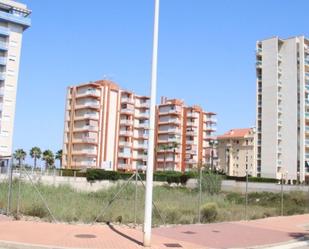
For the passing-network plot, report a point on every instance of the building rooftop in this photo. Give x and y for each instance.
(236, 133)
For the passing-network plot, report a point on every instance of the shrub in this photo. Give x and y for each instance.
(173, 215)
(100, 174)
(211, 183)
(36, 210)
(209, 212)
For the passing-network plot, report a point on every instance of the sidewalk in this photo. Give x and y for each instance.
(26, 234)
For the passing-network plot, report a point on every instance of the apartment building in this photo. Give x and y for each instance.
(14, 19)
(282, 68)
(184, 136)
(105, 127)
(236, 152)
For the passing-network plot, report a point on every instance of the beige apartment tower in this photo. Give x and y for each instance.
(184, 136)
(14, 19)
(236, 152)
(105, 127)
(282, 67)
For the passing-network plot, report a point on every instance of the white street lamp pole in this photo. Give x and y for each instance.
(150, 159)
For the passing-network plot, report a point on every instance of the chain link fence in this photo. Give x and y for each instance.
(51, 196)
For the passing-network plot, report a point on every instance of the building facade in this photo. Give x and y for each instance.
(14, 19)
(236, 152)
(184, 136)
(282, 67)
(105, 127)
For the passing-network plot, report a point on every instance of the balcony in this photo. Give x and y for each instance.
(166, 112)
(191, 161)
(279, 136)
(87, 116)
(168, 159)
(307, 86)
(126, 133)
(307, 157)
(279, 82)
(192, 115)
(125, 144)
(280, 122)
(280, 95)
(141, 157)
(279, 149)
(95, 94)
(279, 57)
(123, 166)
(126, 122)
(259, 51)
(191, 142)
(85, 140)
(86, 128)
(191, 124)
(191, 133)
(210, 128)
(1, 92)
(4, 31)
(307, 142)
(143, 126)
(170, 130)
(144, 136)
(3, 45)
(143, 146)
(85, 152)
(170, 121)
(2, 76)
(307, 102)
(3, 61)
(124, 155)
(127, 111)
(307, 115)
(127, 100)
(258, 64)
(143, 105)
(280, 109)
(307, 129)
(24, 21)
(88, 105)
(142, 115)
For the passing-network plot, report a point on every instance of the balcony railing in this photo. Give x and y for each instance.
(4, 31)
(3, 60)
(3, 45)
(127, 111)
(141, 146)
(125, 143)
(126, 122)
(91, 93)
(2, 76)
(141, 157)
(127, 100)
(144, 126)
(142, 115)
(126, 133)
(25, 21)
(124, 155)
(123, 166)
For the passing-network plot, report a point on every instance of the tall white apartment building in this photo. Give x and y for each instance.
(282, 121)
(184, 136)
(105, 127)
(14, 19)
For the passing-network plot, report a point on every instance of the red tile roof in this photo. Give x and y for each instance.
(236, 133)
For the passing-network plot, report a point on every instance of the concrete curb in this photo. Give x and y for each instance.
(295, 243)
(18, 245)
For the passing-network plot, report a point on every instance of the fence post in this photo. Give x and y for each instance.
(281, 195)
(200, 195)
(10, 186)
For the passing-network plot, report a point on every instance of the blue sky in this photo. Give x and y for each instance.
(206, 55)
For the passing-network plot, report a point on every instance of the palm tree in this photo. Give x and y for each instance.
(49, 158)
(59, 157)
(35, 153)
(174, 146)
(20, 155)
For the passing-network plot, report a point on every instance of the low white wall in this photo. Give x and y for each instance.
(81, 184)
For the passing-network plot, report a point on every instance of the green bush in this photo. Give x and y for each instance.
(100, 174)
(209, 212)
(36, 210)
(166, 176)
(211, 183)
